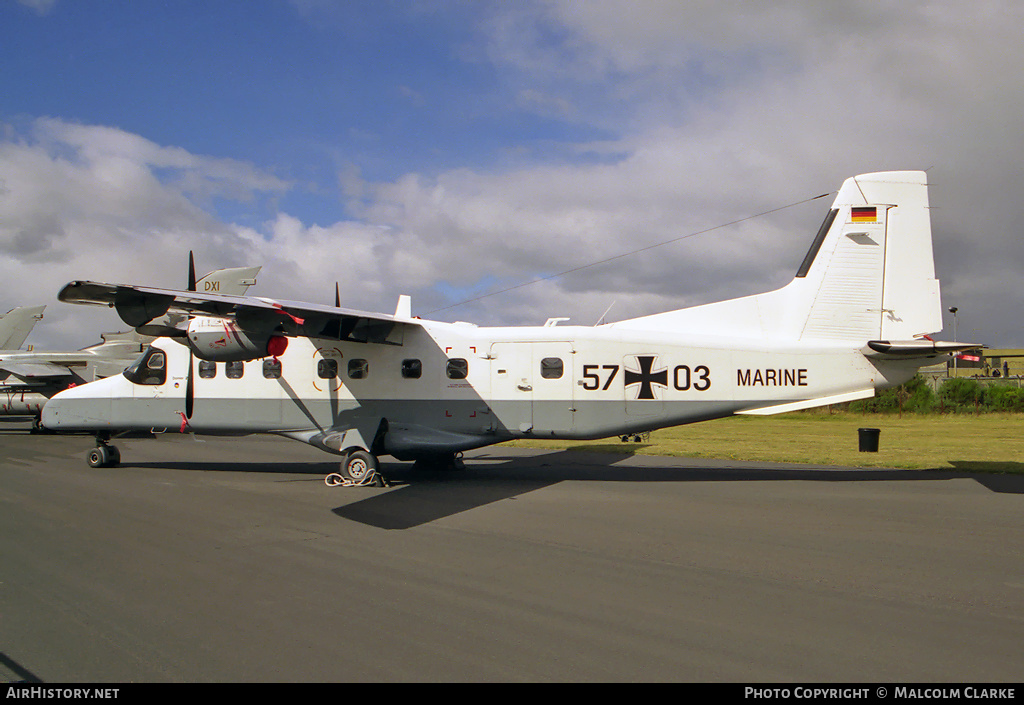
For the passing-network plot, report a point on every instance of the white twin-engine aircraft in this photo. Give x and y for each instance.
(854, 319)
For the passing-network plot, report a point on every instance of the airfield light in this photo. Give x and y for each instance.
(956, 338)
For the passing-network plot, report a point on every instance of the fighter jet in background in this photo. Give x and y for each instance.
(28, 378)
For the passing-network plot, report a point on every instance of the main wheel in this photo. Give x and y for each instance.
(359, 467)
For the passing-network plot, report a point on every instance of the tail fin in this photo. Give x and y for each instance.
(873, 275)
(234, 281)
(869, 275)
(16, 324)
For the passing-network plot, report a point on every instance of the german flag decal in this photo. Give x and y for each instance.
(864, 214)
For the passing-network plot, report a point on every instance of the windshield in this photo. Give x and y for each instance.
(151, 368)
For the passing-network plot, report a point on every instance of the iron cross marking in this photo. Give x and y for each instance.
(646, 377)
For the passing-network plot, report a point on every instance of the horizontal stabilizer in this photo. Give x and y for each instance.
(914, 348)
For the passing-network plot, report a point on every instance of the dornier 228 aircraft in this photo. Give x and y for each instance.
(854, 319)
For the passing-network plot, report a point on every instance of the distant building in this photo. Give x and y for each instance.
(999, 362)
(991, 364)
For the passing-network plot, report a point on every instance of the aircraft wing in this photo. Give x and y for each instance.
(30, 371)
(138, 305)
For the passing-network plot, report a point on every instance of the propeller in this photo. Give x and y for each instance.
(190, 392)
(169, 330)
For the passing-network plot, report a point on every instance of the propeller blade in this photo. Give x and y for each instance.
(191, 272)
(190, 399)
(189, 389)
(337, 296)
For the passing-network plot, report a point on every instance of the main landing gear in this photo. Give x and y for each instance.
(103, 455)
(359, 469)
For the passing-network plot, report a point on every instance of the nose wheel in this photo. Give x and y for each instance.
(103, 456)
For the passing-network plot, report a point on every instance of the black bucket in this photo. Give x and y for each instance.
(868, 439)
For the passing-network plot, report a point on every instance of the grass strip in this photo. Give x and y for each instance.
(968, 443)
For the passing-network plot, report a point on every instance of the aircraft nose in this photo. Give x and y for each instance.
(55, 411)
(76, 409)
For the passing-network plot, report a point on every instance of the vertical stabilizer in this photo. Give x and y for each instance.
(235, 281)
(869, 275)
(16, 324)
(872, 275)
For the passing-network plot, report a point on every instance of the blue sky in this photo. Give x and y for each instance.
(301, 93)
(304, 90)
(447, 149)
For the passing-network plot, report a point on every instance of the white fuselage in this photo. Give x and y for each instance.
(543, 382)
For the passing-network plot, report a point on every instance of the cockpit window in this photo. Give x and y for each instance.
(149, 369)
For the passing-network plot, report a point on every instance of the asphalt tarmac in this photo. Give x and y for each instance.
(232, 561)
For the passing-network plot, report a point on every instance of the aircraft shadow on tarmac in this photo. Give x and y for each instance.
(416, 497)
(20, 673)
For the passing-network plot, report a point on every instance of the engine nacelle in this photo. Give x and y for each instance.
(220, 340)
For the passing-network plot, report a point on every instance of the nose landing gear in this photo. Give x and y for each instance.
(103, 455)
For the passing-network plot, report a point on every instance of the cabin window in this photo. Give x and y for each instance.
(358, 369)
(272, 368)
(234, 370)
(207, 369)
(551, 368)
(458, 368)
(412, 369)
(327, 369)
(150, 369)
